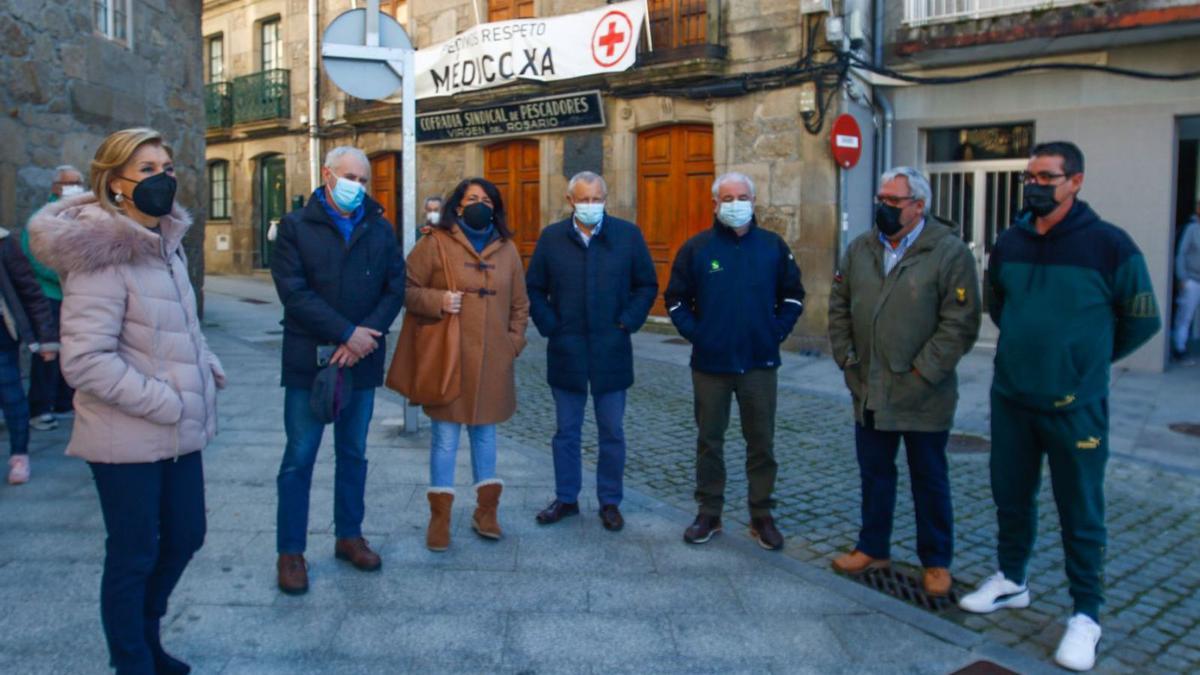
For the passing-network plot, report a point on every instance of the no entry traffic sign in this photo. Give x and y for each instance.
(846, 141)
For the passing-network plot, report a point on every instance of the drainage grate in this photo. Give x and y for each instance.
(1189, 428)
(962, 444)
(676, 341)
(984, 668)
(255, 301)
(906, 585)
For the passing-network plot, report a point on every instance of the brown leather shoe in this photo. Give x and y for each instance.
(556, 512)
(857, 562)
(702, 529)
(937, 581)
(357, 553)
(293, 573)
(485, 522)
(437, 537)
(763, 530)
(610, 517)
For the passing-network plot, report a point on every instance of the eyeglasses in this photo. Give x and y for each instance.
(1042, 177)
(891, 200)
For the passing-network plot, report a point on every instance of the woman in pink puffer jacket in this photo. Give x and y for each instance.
(145, 380)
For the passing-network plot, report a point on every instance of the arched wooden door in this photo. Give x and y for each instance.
(674, 199)
(515, 168)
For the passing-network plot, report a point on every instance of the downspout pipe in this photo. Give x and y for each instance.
(883, 139)
(314, 113)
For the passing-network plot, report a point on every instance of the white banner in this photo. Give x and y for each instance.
(554, 48)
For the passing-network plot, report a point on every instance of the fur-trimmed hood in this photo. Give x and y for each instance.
(76, 234)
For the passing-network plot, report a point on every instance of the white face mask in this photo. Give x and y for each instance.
(735, 214)
(72, 190)
(589, 214)
(433, 217)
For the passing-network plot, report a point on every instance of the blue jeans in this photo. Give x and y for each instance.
(12, 398)
(930, 477)
(304, 433)
(568, 464)
(444, 451)
(154, 515)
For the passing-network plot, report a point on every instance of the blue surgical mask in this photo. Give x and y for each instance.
(735, 214)
(348, 194)
(589, 214)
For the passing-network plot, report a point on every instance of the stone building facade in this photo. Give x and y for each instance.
(663, 140)
(74, 72)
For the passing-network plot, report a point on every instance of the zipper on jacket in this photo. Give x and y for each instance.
(195, 350)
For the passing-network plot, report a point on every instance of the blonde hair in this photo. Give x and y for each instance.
(113, 153)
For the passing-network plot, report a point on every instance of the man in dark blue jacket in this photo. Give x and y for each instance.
(340, 277)
(735, 294)
(591, 283)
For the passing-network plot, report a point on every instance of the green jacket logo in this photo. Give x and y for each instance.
(715, 266)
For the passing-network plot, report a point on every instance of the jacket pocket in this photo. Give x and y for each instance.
(853, 377)
(906, 389)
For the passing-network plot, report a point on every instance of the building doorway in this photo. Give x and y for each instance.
(674, 192)
(515, 168)
(272, 203)
(385, 188)
(1187, 196)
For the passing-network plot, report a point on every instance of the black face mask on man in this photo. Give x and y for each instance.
(154, 196)
(1039, 199)
(887, 219)
(477, 216)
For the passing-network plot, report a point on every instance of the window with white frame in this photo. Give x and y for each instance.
(218, 190)
(216, 58)
(272, 45)
(112, 19)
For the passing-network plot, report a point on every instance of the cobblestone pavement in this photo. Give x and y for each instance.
(1152, 619)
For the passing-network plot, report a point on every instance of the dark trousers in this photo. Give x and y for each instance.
(1076, 445)
(304, 432)
(568, 466)
(12, 397)
(48, 391)
(756, 393)
(154, 515)
(930, 477)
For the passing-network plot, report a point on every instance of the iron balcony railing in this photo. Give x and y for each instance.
(921, 12)
(218, 105)
(262, 96)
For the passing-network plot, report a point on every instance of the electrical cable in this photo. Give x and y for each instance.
(1004, 72)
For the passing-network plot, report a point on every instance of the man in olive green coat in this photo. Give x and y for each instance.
(903, 310)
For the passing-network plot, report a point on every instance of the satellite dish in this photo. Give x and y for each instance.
(364, 75)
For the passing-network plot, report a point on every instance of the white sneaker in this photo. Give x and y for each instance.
(996, 592)
(18, 469)
(44, 422)
(1077, 650)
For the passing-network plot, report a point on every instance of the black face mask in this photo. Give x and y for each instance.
(1039, 199)
(155, 195)
(477, 216)
(887, 219)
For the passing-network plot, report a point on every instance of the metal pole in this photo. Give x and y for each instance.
(372, 36)
(314, 112)
(409, 181)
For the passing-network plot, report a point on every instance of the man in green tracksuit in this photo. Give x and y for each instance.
(1070, 294)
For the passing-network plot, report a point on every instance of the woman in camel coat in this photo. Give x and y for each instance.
(145, 380)
(493, 310)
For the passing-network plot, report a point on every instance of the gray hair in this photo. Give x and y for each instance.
(335, 155)
(918, 184)
(588, 177)
(434, 198)
(732, 177)
(63, 168)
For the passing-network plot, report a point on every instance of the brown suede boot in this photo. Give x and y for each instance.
(485, 521)
(438, 536)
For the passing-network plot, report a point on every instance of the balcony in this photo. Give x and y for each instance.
(682, 30)
(925, 12)
(262, 96)
(218, 105)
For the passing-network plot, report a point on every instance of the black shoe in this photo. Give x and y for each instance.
(556, 512)
(765, 533)
(610, 515)
(1177, 355)
(703, 528)
(165, 664)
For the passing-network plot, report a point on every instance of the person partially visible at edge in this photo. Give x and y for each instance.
(735, 294)
(340, 277)
(49, 393)
(145, 380)
(30, 319)
(1071, 294)
(591, 286)
(903, 310)
(433, 211)
(1187, 277)
(493, 308)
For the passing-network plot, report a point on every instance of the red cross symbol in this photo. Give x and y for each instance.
(611, 39)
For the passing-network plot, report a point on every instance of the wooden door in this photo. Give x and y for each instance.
(515, 168)
(503, 10)
(385, 181)
(674, 200)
